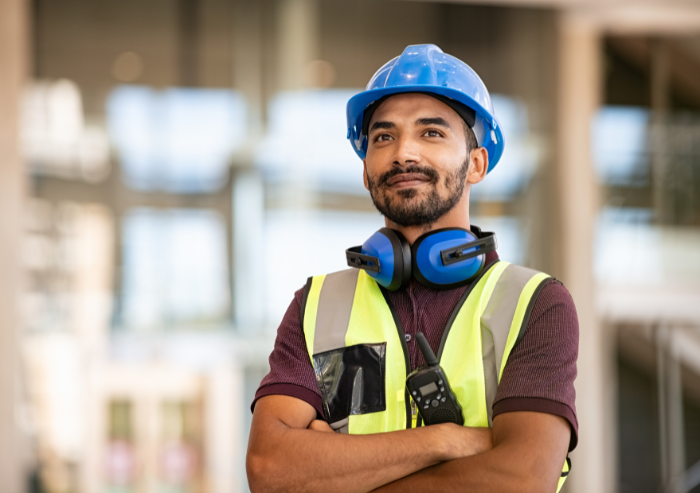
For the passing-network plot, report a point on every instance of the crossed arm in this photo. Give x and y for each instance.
(290, 451)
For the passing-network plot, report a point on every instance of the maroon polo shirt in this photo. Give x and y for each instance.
(539, 375)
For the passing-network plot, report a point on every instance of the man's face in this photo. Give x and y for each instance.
(417, 161)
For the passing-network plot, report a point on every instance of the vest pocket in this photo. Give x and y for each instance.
(351, 380)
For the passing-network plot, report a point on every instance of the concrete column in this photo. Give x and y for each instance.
(247, 62)
(297, 42)
(225, 438)
(13, 68)
(660, 76)
(578, 97)
(660, 96)
(670, 402)
(676, 429)
(247, 190)
(248, 196)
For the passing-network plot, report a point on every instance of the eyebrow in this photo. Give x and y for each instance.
(436, 120)
(433, 121)
(384, 125)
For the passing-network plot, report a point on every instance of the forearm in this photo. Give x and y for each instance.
(492, 471)
(310, 461)
(528, 455)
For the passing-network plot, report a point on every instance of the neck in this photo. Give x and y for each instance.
(457, 217)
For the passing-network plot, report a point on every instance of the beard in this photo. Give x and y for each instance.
(405, 211)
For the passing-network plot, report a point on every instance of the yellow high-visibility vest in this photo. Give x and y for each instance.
(359, 354)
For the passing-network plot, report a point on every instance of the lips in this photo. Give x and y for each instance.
(410, 176)
(407, 179)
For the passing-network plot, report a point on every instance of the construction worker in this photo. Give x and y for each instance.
(344, 408)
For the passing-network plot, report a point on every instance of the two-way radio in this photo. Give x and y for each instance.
(430, 390)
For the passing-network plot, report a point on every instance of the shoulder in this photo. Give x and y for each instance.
(301, 296)
(547, 298)
(289, 333)
(554, 306)
(541, 369)
(291, 372)
(551, 316)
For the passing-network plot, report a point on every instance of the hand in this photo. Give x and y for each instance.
(463, 441)
(460, 441)
(320, 425)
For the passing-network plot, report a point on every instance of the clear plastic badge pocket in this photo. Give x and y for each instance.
(351, 381)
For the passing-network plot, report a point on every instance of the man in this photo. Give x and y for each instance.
(426, 132)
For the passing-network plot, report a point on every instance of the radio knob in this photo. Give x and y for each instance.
(435, 403)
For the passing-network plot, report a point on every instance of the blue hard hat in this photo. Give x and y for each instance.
(425, 68)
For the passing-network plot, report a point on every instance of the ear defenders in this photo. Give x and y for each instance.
(441, 259)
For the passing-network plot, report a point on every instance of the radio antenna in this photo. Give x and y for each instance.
(424, 347)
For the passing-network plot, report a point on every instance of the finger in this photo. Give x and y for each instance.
(320, 425)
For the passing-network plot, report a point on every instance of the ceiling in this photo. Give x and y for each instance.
(620, 16)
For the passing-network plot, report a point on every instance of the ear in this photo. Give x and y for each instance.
(364, 174)
(479, 158)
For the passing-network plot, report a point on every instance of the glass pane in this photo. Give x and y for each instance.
(620, 153)
(175, 268)
(307, 142)
(180, 140)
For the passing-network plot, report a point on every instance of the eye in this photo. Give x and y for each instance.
(432, 133)
(382, 137)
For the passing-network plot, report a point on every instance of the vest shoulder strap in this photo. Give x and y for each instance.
(504, 321)
(334, 296)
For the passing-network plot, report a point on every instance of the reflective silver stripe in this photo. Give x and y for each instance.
(490, 369)
(496, 322)
(334, 307)
(333, 318)
(342, 426)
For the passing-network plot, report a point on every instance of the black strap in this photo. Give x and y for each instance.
(304, 297)
(566, 473)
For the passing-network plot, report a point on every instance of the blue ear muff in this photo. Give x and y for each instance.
(386, 257)
(451, 257)
(441, 259)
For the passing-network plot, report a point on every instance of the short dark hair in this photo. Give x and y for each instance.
(472, 143)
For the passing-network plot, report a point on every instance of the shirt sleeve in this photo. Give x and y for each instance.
(540, 372)
(291, 372)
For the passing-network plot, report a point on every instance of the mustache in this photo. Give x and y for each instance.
(429, 172)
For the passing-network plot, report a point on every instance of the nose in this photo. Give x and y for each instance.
(407, 151)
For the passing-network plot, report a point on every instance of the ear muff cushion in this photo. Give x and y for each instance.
(402, 259)
(427, 266)
(394, 254)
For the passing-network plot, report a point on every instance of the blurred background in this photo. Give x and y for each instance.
(171, 171)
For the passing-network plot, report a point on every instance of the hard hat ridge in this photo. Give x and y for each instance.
(426, 69)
